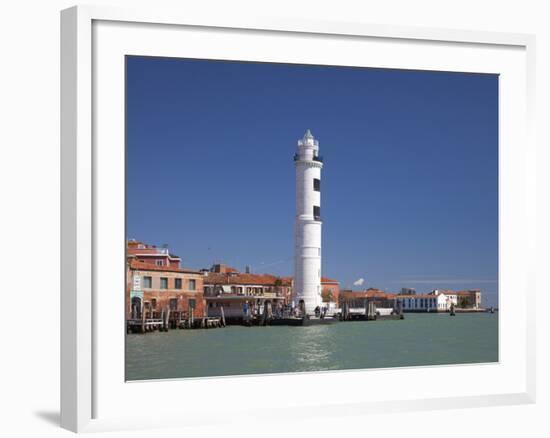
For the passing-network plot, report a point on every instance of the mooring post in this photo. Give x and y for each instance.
(142, 318)
(223, 316)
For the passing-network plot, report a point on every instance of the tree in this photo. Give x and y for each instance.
(327, 295)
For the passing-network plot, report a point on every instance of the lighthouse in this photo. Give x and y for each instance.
(307, 230)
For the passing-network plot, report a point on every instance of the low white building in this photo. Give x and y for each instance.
(424, 302)
(440, 300)
(446, 298)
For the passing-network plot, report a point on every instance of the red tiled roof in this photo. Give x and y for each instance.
(467, 292)
(329, 280)
(417, 296)
(135, 264)
(369, 293)
(240, 278)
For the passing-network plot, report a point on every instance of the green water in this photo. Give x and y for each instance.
(419, 339)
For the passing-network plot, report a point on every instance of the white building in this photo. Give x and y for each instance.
(418, 303)
(447, 296)
(424, 302)
(307, 232)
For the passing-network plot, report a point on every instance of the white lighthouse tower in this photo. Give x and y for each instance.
(307, 231)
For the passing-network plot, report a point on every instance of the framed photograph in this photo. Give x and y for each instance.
(198, 265)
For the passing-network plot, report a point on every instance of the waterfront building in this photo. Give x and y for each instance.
(422, 302)
(360, 299)
(153, 287)
(450, 295)
(469, 299)
(330, 293)
(441, 300)
(226, 287)
(145, 253)
(240, 293)
(307, 231)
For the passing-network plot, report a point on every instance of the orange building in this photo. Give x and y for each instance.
(145, 253)
(156, 283)
(330, 290)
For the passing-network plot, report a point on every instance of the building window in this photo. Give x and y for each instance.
(159, 262)
(173, 303)
(192, 284)
(316, 184)
(163, 283)
(316, 212)
(147, 282)
(153, 303)
(177, 283)
(192, 303)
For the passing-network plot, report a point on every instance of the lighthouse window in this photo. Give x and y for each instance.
(316, 184)
(316, 212)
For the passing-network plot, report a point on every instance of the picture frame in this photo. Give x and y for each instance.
(90, 400)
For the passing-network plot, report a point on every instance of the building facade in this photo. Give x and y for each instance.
(360, 299)
(422, 302)
(243, 294)
(307, 232)
(155, 288)
(145, 253)
(330, 292)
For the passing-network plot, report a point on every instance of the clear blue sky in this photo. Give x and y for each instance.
(409, 185)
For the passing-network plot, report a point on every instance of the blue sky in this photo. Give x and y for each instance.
(410, 181)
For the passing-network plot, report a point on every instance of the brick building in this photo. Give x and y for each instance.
(156, 282)
(330, 290)
(469, 299)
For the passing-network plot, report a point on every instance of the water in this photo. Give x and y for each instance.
(419, 339)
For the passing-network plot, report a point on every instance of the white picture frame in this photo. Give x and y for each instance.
(91, 389)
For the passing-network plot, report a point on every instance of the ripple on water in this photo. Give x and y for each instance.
(419, 339)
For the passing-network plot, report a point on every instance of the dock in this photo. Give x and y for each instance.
(150, 322)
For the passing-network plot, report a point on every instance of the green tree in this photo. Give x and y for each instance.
(327, 295)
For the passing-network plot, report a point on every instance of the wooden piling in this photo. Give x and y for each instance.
(142, 317)
(223, 317)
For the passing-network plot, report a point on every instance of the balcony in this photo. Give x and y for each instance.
(317, 158)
